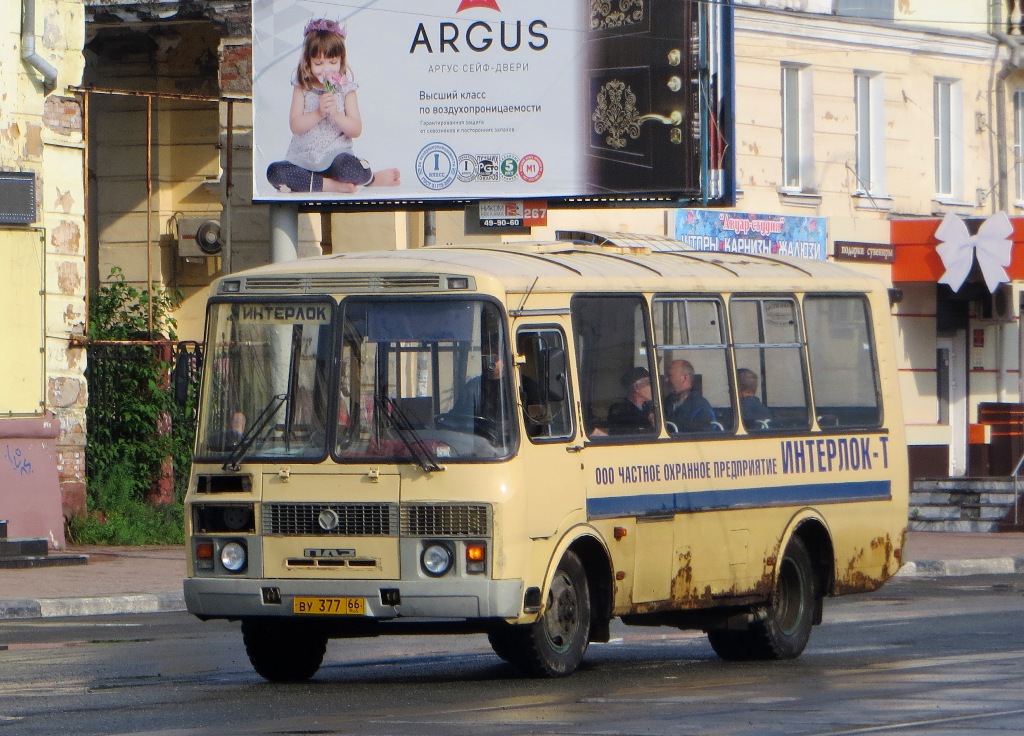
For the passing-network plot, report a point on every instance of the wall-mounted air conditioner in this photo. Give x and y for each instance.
(198, 237)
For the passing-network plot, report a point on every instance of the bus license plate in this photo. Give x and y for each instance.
(329, 606)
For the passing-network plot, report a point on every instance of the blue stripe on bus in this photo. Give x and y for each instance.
(739, 498)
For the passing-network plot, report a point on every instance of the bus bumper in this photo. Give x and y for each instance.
(468, 599)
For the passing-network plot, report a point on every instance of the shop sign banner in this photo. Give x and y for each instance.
(475, 99)
(742, 232)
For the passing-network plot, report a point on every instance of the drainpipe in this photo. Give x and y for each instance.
(1015, 62)
(28, 46)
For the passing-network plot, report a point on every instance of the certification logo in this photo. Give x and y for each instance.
(467, 168)
(436, 166)
(487, 167)
(509, 167)
(531, 168)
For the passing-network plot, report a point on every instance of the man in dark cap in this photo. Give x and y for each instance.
(635, 413)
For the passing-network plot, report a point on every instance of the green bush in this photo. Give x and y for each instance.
(118, 515)
(134, 424)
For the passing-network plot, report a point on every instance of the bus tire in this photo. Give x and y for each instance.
(554, 645)
(282, 651)
(783, 627)
(732, 646)
(507, 644)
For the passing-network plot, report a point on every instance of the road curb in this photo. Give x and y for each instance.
(97, 606)
(956, 568)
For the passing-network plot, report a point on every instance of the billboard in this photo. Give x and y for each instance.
(744, 232)
(461, 100)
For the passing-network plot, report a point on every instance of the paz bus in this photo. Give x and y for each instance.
(532, 440)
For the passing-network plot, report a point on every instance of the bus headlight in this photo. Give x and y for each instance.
(232, 556)
(436, 559)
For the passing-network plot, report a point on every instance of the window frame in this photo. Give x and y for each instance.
(797, 128)
(947, 116)
(567, 401)
(869, 116)
(870, 339)
(799, 346)
(1018, 145)
(588, 399)
(664, 350)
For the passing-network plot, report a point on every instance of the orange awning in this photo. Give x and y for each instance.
(915, 257)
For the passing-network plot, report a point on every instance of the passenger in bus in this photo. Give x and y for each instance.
(482, 395)
(232, 436)
(685, 408)
(635, 413)
(755, 414)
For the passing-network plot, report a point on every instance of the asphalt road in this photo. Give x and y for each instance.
(941, 656)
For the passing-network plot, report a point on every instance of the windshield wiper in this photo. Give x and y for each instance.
(254, 429)
(392, 414)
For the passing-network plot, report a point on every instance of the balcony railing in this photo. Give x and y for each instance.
(1010, 15)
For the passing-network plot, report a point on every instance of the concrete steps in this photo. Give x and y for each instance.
(23, 553)
(965, 505)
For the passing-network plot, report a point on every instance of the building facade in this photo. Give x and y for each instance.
(43, 390)
(876, 117)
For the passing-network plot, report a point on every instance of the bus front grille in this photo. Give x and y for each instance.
(330, 519)
(446, 520)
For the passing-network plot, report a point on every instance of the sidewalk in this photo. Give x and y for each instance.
(149, 579)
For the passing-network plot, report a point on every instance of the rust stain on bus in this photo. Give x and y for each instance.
(684, 595)
(884, 556)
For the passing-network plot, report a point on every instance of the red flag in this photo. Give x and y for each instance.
(467, 4)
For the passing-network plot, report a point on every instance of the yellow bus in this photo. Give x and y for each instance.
(531, 440)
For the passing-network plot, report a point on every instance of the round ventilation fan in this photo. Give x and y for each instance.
(208, 237)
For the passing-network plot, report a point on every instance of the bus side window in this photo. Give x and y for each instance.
(770, 373)
(844, 372)
(612, 352)
(693, 364)
(544, 394)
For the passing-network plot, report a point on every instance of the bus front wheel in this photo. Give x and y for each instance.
(554, 645)
(281, 651)
(783, 627)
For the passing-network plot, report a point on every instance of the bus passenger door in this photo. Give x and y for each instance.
(553, 486)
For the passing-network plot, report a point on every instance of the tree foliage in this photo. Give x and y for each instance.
(135, 428)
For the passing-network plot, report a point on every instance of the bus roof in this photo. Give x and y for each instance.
(575, 261)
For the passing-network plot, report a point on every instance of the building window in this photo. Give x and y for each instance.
(797, 139)
(869, 102)
(1018, 142)
(948, 111)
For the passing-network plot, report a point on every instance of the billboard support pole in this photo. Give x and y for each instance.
(284, 232)
(429, 227)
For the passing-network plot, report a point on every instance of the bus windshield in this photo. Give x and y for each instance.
(268, 369)
(423, 381)
(423, 378)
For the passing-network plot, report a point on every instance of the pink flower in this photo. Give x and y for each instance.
(332, 82)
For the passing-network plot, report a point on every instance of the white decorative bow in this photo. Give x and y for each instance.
(958, 249)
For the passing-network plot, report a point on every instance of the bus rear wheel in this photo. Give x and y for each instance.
(281, 651)
(554, 645)
(783, 627)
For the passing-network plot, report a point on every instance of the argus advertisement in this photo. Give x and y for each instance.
(411, 100)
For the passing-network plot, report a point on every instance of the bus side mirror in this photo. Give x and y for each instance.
(553, 374)
(186, 364)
